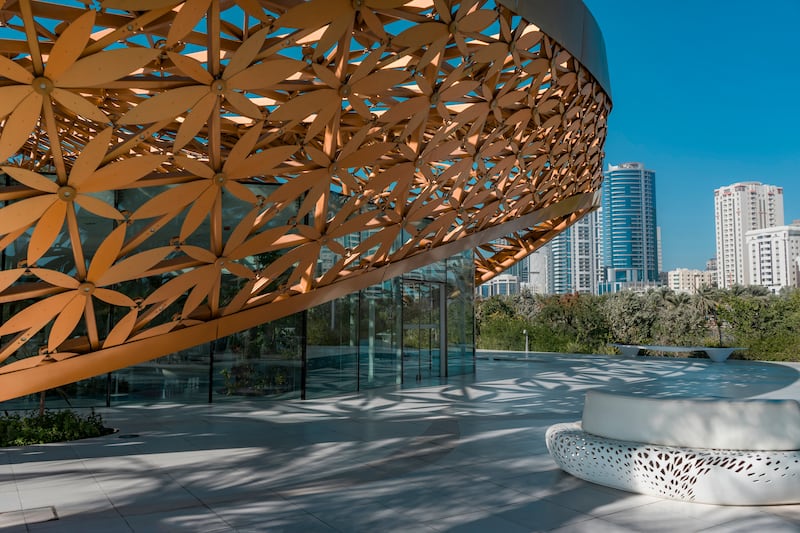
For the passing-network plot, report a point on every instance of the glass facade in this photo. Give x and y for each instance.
(403, 330)
(630, 244)
(406, 330)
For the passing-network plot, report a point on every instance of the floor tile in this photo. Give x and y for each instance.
(464, 456)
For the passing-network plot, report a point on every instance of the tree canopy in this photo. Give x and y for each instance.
(767, 325)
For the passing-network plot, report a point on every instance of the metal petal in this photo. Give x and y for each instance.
(14, 71)
(90, 158)
(191, 67)
(200, 209)
(266, 74)
(24, 213)
(11, 96)
(121, 174)
(113, 297)
(69, 45)
(104, 67)
(192, 11)
(165, 105)
(36, 316)
(98, 207)
(79, 105)
(66, 321)
(246, 53)
(31, 179)
(133, 267)
(55, 278)
(314, 14)
(262, 163)
(171, 201)
(197, 118)
(46, 230)
(122, 329)
(19, 125)
(106, 253)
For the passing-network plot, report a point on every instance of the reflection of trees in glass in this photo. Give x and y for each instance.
(265, 359)
(279, 339)
(332, 323)
(460, 292)
(420, 315)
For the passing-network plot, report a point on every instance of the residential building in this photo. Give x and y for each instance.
(740, 208)
(689, 280)
(500, 285)
(541, 275)
(628, 220)
(772, 256)
(574, 257)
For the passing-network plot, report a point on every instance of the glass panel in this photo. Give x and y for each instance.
(379, 342)
(422, 329)
(261, 362)
(179, 377)
(332, 348)
(85, 393)
(460, 314)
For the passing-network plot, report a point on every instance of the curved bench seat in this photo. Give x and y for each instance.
(731, 452)
(722, 477)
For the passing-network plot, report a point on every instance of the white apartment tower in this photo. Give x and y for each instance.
(574, 257)
(773, 254)
(541, 271)
(740, 208)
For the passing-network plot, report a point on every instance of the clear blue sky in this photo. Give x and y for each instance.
(706, 93)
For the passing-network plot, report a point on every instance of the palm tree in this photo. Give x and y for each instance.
(678, 299)
(707, 301)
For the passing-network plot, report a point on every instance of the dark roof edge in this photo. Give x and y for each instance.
(571, 24)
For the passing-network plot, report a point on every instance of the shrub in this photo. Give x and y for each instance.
(51, 426)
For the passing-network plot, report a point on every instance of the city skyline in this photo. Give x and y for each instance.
(683, 106)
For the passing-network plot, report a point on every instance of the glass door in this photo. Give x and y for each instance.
(423, 330)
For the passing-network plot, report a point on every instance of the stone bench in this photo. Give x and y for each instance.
(725, 452)
(718, 355)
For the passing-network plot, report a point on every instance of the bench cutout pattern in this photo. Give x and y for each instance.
(728, 477)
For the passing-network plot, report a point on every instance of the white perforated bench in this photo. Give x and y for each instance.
(718, 355)
(726, 452)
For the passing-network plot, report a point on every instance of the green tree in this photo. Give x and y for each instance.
(707, 301)
(631, 317)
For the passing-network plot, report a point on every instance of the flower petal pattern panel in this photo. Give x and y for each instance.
(177, 170)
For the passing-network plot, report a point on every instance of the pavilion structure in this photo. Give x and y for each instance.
(174, 171)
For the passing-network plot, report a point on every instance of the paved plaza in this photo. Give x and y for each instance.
(463, 455)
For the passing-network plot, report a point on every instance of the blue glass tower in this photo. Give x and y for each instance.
(630, 240)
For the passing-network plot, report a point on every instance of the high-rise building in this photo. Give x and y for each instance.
(520, 269)
(541, 271)
(740, 208)
(500, 285)
(630, 239)
(574, 257)
(772, 255)
(659, 250)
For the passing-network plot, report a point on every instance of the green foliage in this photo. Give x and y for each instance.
(255, 380)
(50, 426)
(767, 325)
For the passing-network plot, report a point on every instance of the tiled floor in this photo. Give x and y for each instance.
(462, 456)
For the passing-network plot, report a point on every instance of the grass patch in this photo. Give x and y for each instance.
(49, 426)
